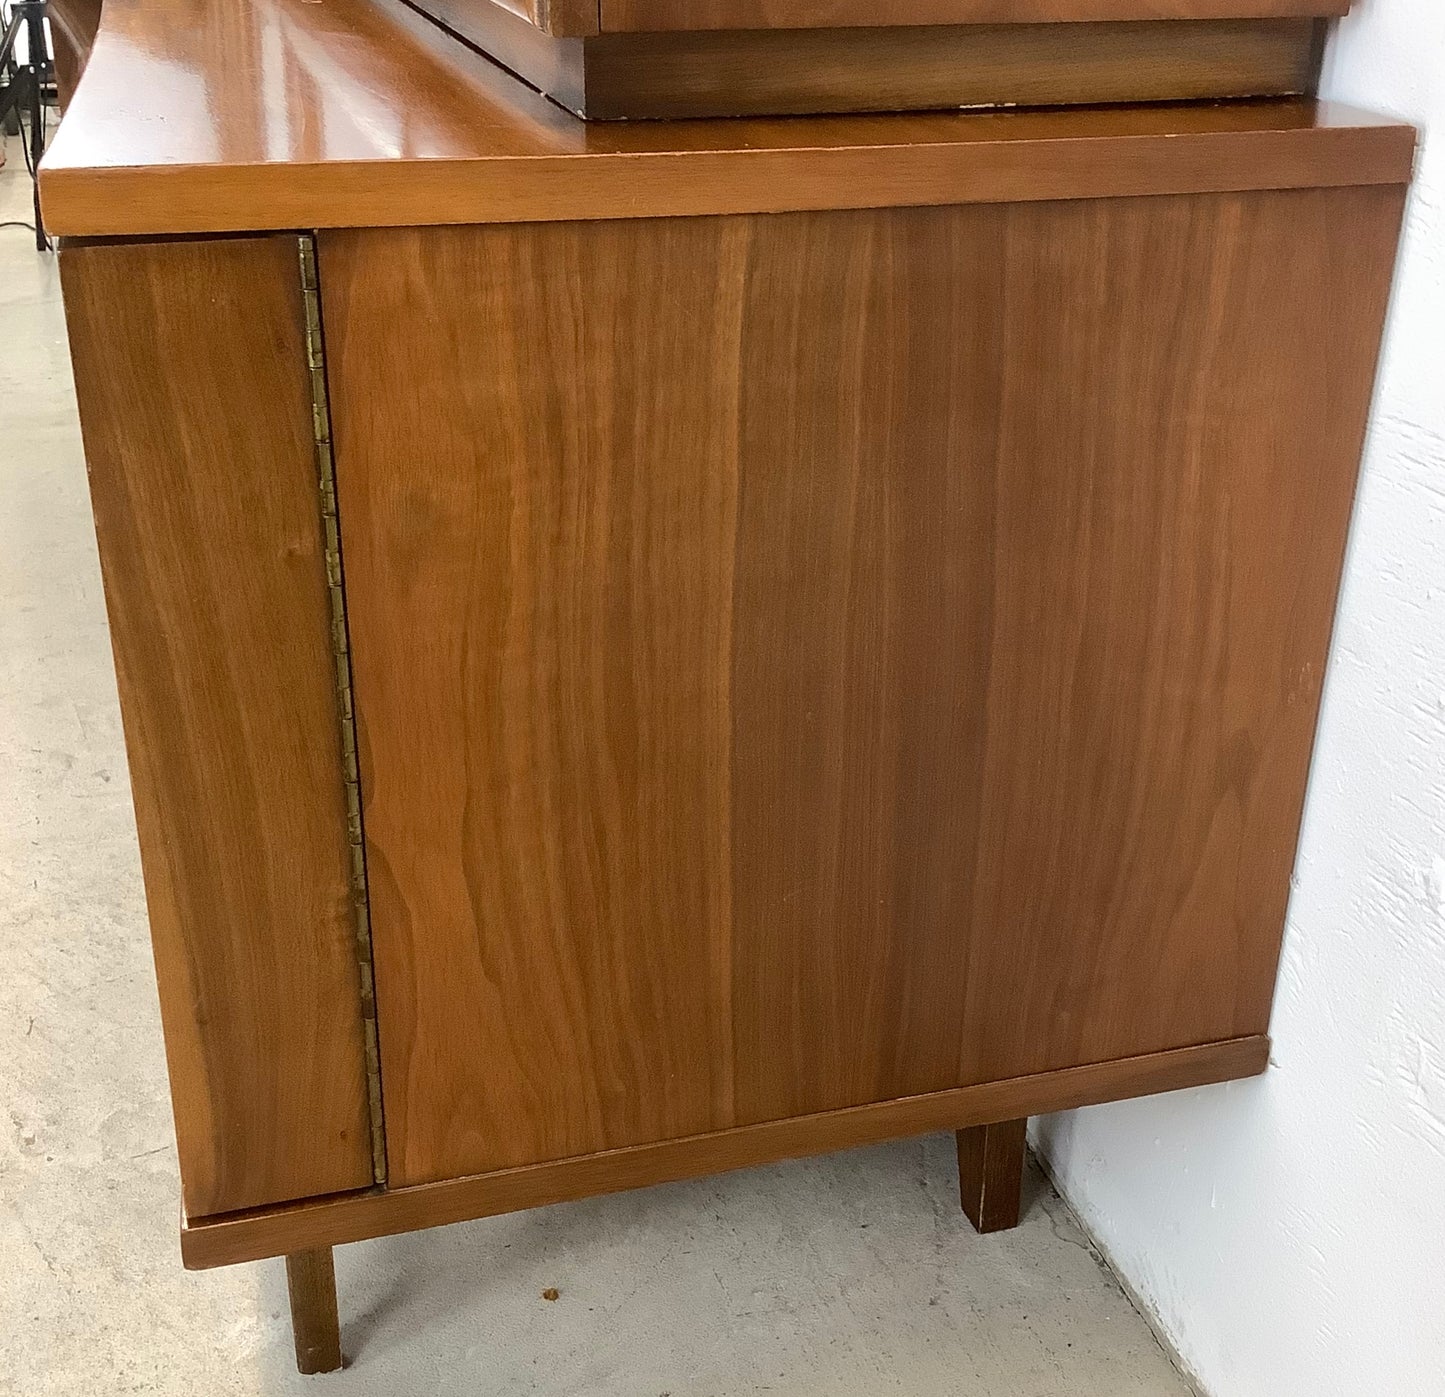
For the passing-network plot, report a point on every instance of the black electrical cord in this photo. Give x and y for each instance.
(30, 168)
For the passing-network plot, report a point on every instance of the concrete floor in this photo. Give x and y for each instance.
(850, 1274)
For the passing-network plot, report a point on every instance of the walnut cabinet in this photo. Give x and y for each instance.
(647, 650)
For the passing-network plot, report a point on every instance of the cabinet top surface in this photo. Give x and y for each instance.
(194, 117)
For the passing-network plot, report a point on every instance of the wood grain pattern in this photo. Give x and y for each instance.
(861, 635)
(550, 828)
(779, 71)
(621, 15)
(1175, 470)
(325, 1222)
(815, 660)
(190, 371)
(363, 113)
(990, 1173)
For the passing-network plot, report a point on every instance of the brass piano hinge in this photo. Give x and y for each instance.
(341, 654)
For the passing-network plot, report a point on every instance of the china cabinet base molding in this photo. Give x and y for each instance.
(656, 648)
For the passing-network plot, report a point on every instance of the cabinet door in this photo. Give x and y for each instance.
(822, 658)
(191, 372)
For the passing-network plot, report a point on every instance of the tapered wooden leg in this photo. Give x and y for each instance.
(990, 1173)
(311, 1280)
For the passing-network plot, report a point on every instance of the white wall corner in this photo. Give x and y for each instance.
(1286, 1234)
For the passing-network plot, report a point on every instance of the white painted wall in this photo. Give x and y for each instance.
(1289, 1233)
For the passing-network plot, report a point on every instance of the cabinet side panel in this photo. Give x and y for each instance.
(1185, 388)
(190, 368)
(814, 660)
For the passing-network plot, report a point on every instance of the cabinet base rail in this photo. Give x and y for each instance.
(253, 1235)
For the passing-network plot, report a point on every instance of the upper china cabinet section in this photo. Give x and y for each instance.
(615, 59)
(578, 18)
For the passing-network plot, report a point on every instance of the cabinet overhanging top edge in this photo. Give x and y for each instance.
(266, 114)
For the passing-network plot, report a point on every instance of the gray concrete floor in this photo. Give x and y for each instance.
(850, 1274)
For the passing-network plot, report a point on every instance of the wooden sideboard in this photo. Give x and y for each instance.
(649, 649)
